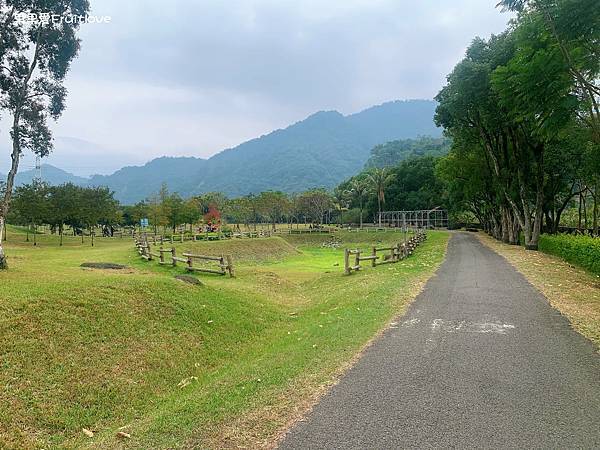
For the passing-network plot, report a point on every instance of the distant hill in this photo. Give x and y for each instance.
(320, 151)
(392, 153)
(50, 174)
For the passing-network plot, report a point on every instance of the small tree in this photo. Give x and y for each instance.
(315, 204)
(97, 205)
(31, 205)
(63, 207)
(273, 205)
(175, 210)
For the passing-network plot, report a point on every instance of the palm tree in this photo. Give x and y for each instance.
(340, 203)
(379, 179)
(358, 190)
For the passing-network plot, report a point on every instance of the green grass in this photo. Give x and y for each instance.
(581, 250)
(103, 350)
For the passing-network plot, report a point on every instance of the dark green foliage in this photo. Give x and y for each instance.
(79, 207)
(394, 152)
(415, 186)
(410, 185)
(581, 250)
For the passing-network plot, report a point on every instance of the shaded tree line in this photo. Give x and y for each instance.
(522, 111)
(412, 184)
(165, 209)
(63, 206)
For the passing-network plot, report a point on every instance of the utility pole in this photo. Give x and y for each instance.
(38, 169)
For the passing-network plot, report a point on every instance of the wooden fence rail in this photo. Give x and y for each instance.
(169, 257)
(353, 257)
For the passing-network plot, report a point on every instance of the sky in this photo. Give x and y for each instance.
(199, 76)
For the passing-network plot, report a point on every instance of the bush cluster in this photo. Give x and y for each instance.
(581, 250)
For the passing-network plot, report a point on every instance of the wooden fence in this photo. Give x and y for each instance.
(169, 257)
(382, 255)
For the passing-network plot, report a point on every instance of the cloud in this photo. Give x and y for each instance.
(199, 76)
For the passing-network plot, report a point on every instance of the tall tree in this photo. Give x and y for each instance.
(358, 191)
(35, 57)
(380, 178)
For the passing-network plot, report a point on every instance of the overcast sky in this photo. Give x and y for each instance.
(193, 77)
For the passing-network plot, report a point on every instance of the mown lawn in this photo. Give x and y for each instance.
(226, 364)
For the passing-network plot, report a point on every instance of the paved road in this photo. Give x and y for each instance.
(480, 360)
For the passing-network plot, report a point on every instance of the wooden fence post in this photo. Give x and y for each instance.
(374, 260)
(347, 261)
(174, 256)
(162, 256)
(230, 266)
(357, 259)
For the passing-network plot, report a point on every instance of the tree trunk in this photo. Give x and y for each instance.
(585, 218)
(505, 225)
(579, 211)
(595, 195)
(3, 263)
(537, 225)
(10, 180)
(379, 208)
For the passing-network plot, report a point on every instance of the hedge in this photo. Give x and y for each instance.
(581, 250)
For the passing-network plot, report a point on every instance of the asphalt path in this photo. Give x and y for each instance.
(479, 360)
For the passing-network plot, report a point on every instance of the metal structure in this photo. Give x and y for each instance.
(425, 218)
(38, 169)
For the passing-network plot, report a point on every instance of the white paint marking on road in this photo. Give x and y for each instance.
(451, 326)
(436, 324)
(411, 322)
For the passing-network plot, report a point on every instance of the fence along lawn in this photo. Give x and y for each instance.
(176, 364)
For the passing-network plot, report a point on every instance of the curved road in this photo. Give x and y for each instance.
(480, 360)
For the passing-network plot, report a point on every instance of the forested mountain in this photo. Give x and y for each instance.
(320, 151)
(392, 153)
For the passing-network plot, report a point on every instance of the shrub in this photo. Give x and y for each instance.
(581, 250)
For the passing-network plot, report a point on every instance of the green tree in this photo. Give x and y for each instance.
(35, 59)
(64, 207)
(273, 205)
(175, 211)
(97, 206)
(315, 204)
(380, 179)
(358, 189)
(30, 205)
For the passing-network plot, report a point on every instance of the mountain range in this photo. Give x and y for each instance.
(319, 151)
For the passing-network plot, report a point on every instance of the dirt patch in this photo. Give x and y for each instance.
(103, 266)
(189, 279)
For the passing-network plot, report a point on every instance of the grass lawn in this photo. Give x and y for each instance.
(226, 364)
(570, 289)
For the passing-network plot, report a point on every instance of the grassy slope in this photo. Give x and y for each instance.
(571, 290)
(104, 350)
